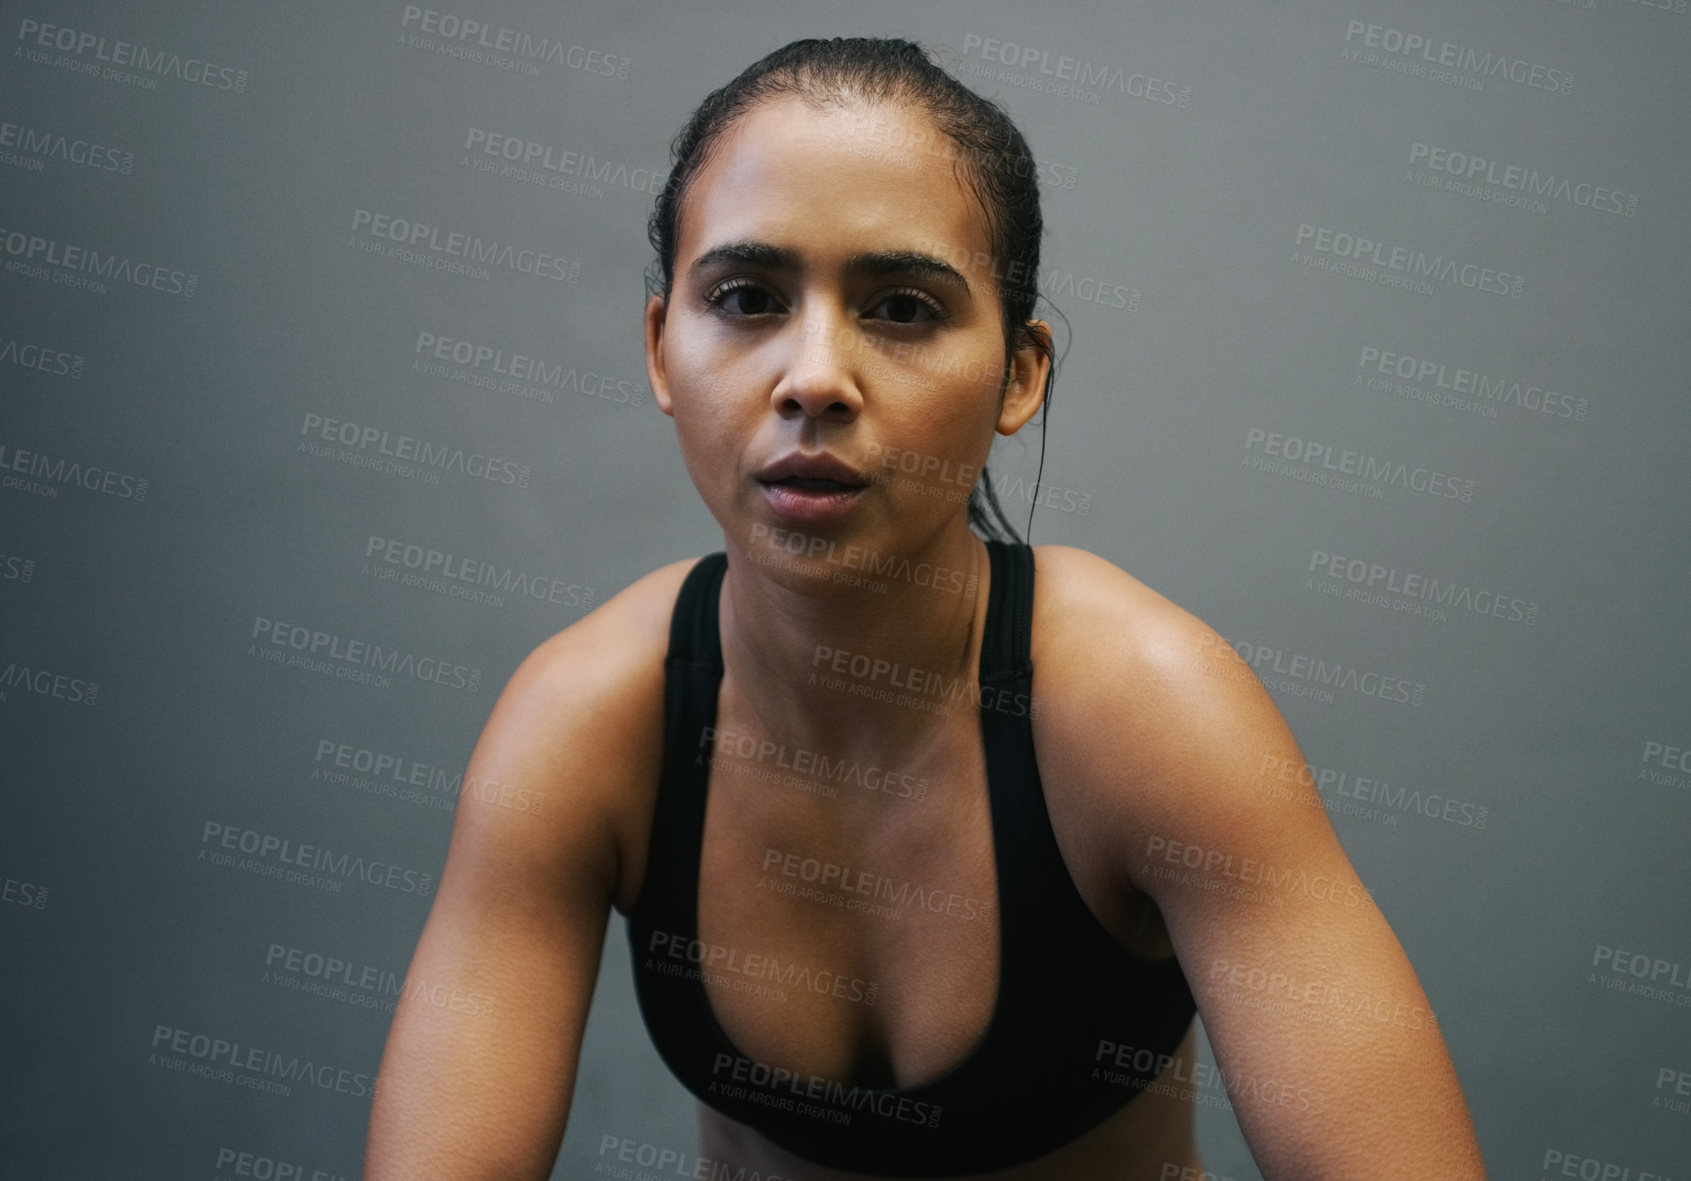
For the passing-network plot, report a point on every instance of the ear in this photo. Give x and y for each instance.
(1030, 364)
(655, 374)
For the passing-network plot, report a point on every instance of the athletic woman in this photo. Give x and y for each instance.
(929, 843)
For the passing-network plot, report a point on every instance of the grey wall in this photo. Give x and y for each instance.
(168, 502)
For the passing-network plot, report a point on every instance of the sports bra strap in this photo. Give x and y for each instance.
(694, 638)
(1007, 642)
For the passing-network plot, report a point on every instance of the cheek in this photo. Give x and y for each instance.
(709, 417)
(962, 399)
(698, 370)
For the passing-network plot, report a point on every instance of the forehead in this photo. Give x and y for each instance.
(831, 182)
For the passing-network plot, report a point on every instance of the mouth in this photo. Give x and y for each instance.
(806, 501)
(818, 472)
(815, 483)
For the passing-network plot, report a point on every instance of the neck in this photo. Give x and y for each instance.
(845, 648)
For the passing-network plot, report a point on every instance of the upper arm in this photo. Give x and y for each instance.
(477, 1074)
(1321, 1030)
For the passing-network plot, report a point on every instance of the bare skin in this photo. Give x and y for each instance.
(1152, 741)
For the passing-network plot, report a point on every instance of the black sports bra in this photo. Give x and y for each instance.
(1051, 1064)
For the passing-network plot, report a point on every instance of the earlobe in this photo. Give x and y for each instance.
(655, 374)
(1029, 368)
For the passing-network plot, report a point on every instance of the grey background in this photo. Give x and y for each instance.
(1194, 208)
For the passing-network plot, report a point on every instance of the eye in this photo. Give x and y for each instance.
(909, 306)
(742, 297)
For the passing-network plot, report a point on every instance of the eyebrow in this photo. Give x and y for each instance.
(874, 262)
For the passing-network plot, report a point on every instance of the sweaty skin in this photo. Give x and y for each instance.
(791, 326)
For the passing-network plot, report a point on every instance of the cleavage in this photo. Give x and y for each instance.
(873, 914)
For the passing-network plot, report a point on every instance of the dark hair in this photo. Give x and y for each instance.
(997, 165)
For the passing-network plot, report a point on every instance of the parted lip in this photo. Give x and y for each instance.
(819, 466)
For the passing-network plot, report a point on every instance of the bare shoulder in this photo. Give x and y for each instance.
(612, 638)
(577, 729)
(592, 677)
(1090, 615)
(540, 846)
(1076, 590)
(1144, 707)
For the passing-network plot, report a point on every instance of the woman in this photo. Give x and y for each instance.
(929, 843)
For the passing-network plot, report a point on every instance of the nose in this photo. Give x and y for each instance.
(821, 371)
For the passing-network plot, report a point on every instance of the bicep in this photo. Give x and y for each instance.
(1323, 1035)
(480, 1062)
(1321, 1030)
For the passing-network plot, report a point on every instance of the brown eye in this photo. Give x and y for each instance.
(909, 307)
(742, 298)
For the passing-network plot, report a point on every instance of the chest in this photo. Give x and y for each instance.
(852, 904)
